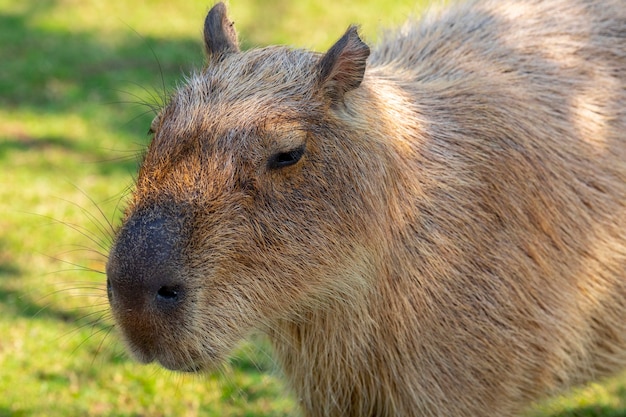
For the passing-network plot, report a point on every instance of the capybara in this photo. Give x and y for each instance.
(437, 228)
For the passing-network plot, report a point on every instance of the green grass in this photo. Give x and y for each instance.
(71, 75)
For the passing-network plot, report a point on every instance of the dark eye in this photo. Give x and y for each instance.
(284, 159)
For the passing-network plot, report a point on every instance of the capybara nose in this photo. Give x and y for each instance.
(142, 276)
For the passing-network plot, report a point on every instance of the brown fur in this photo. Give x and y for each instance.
(452, 242)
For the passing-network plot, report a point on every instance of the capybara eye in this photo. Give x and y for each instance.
(285, 159)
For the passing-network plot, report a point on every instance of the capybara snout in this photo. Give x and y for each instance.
(146, 288)
(142, 269)
(433, 227)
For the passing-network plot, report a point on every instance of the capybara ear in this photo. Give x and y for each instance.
(341, 69)
(220, 37)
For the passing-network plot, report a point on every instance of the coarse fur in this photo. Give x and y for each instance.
(438, 229)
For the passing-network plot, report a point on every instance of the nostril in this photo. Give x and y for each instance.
(168, 293)
(169, 297)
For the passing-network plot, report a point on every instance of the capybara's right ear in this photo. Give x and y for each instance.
(342, 68)
(220, 37)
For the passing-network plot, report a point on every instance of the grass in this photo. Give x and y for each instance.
(71, 76)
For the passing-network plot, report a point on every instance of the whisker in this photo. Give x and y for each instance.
(77, 267)
(107, 229)
(123, 195)
(164, 89)
(122, 159)
(101, 344)
(140, 115)
(157, 101)
(93, 237)
(93, 324)
(139, 102)
(81, 286)
(84, 249)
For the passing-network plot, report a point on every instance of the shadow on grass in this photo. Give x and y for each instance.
(8, 268)
(16, 141)
(89, 321)
(58, 71)
(20, 303)
(7, 412)
(52, 71)
(591, 411)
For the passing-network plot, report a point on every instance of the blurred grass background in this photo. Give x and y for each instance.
(72, 76)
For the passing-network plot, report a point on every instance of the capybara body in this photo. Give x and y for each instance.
(437, 228)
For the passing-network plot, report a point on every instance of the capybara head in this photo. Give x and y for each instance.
(241, 204)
